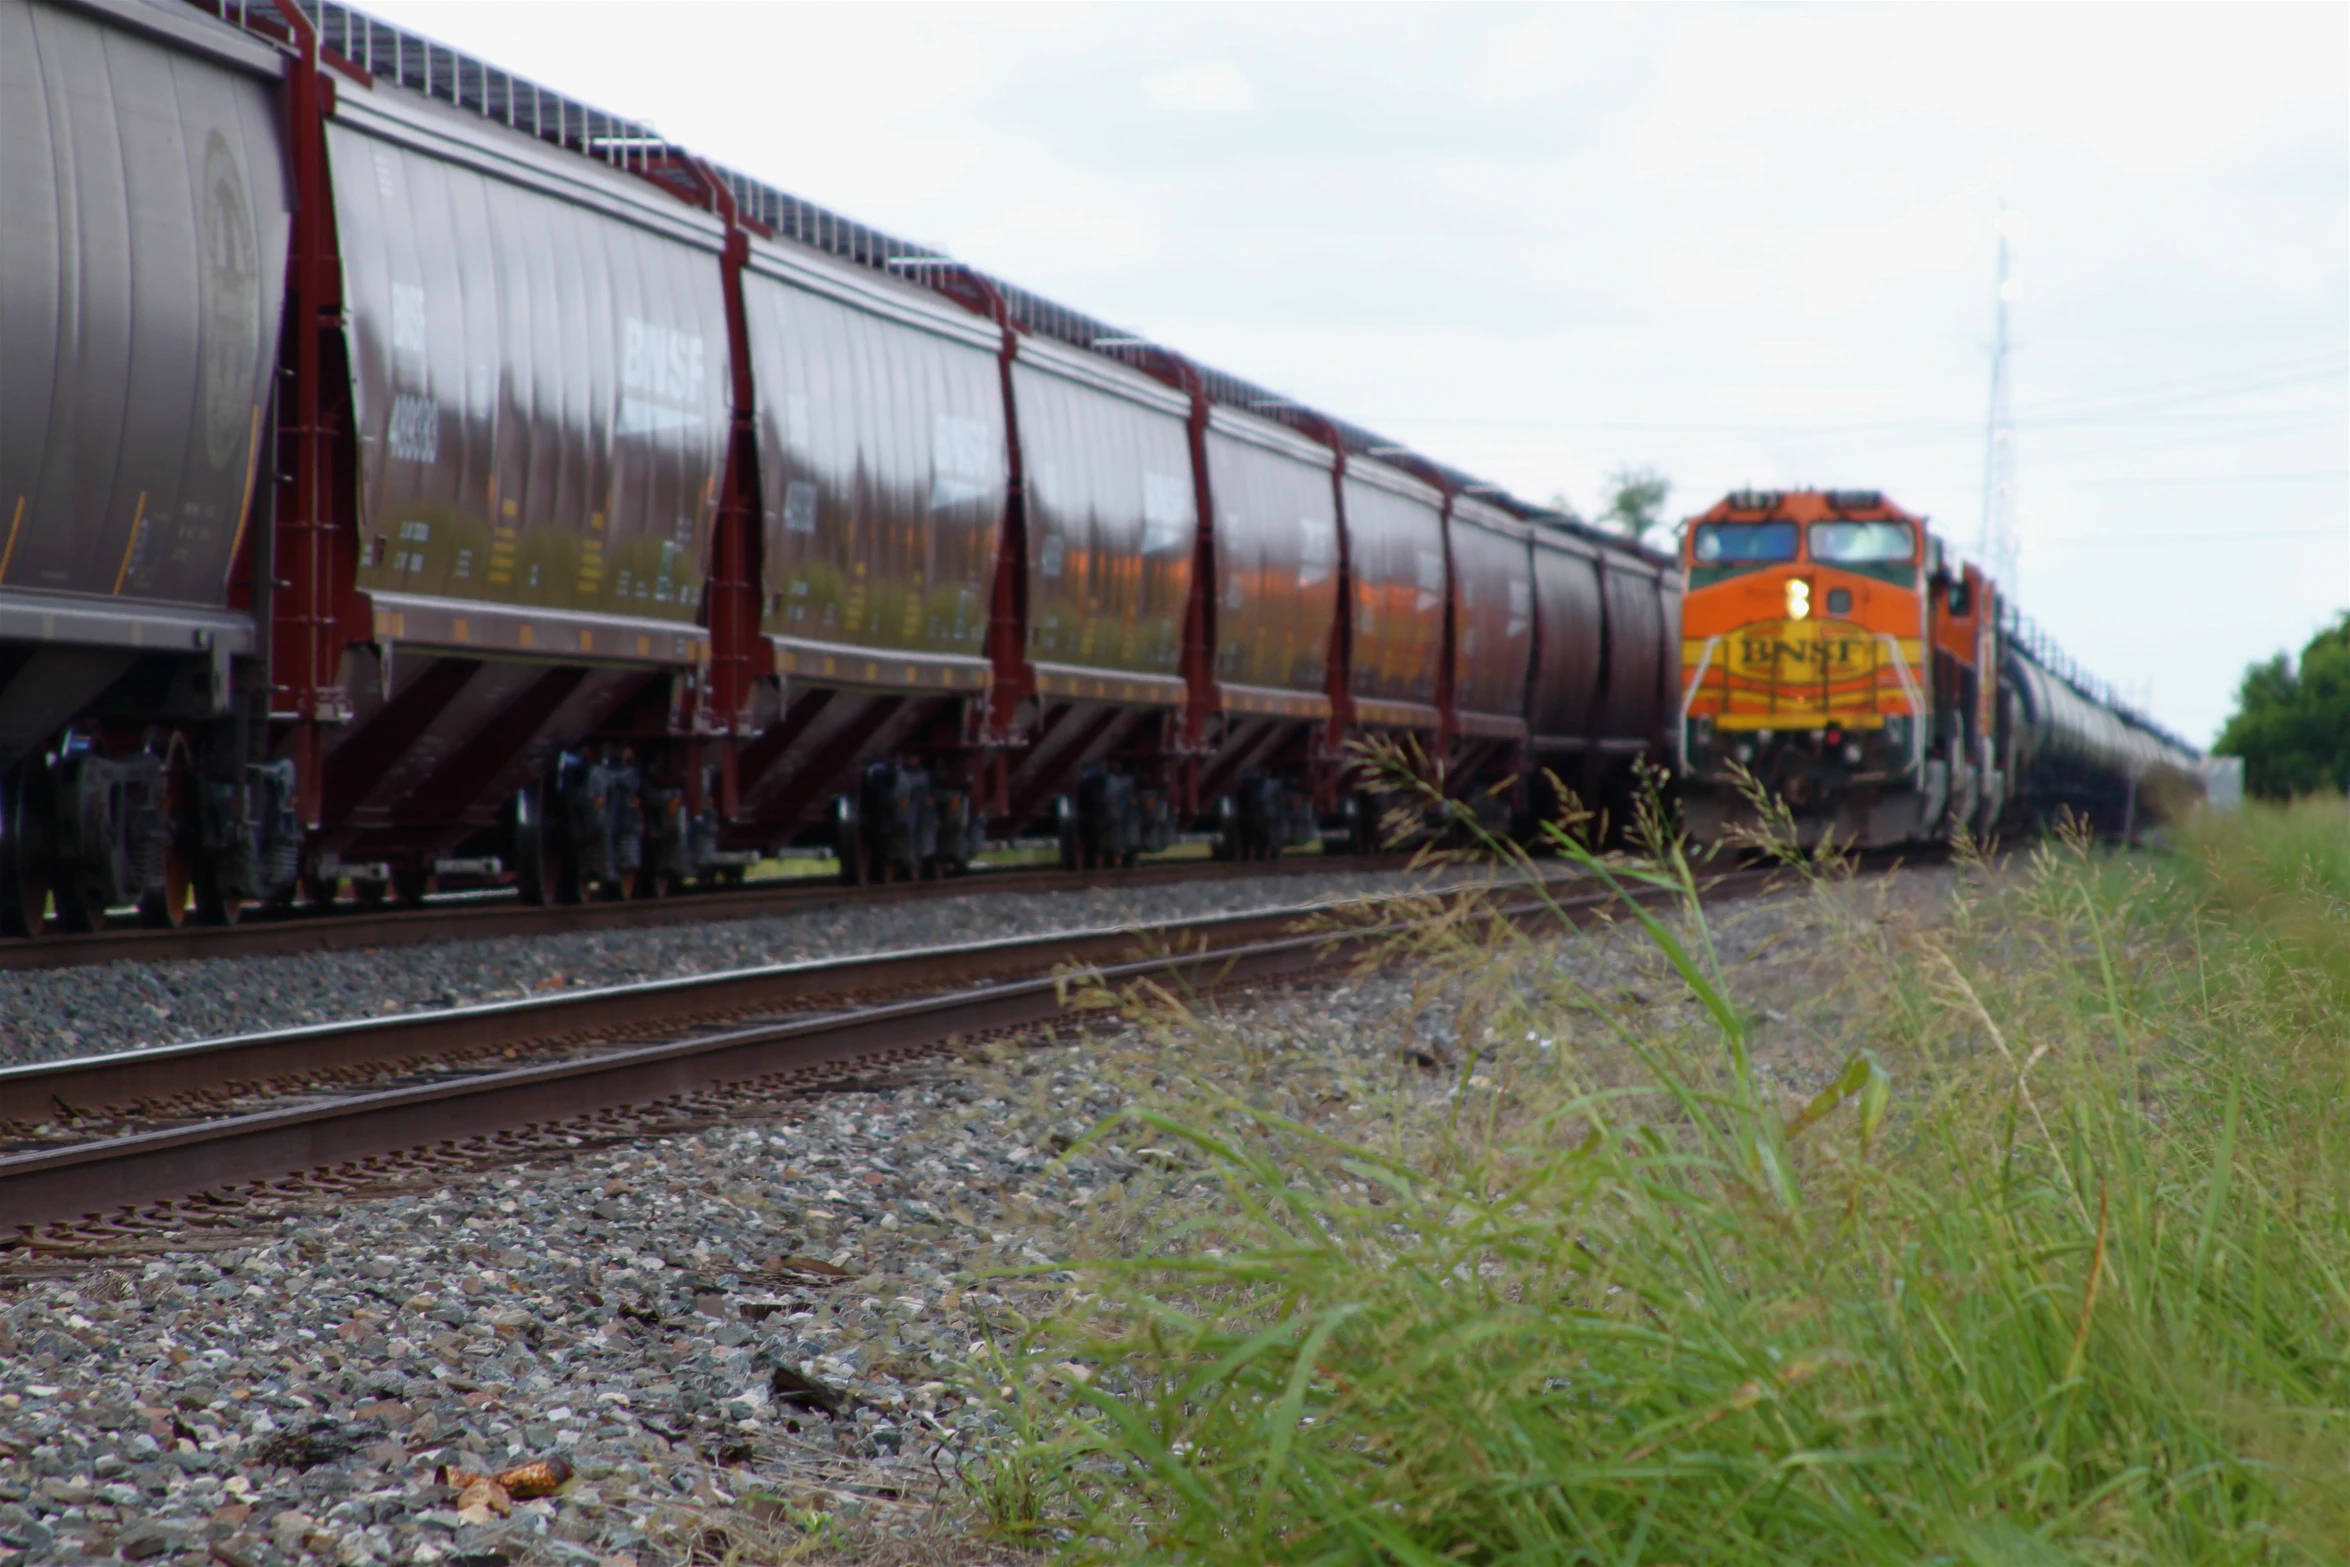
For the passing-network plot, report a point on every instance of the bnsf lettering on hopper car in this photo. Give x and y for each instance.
(1317, 554)
(408, 332)
(964, 458)
(1166, 512)
(232, 307)
(799, 509)
(1430, 579)
(659, 359)
(660, 378)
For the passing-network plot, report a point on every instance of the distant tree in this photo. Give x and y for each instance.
(2292, 724)
(1636, 503)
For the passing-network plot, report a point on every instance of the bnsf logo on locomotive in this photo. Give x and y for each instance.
(1800, 649)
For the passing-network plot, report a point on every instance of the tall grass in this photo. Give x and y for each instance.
(2054, 1266)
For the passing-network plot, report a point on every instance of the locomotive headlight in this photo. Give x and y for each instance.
(1798, 599)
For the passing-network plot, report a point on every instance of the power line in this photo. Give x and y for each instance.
(2333, 367)
(2170, 443)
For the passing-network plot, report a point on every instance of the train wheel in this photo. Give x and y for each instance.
(24, 850)
(849, 845)
(536, 874)
(167, 907)
(370, 893)
(81, 908)
(655, 885)
(622, 887)
(215, 904)
(1227, 845)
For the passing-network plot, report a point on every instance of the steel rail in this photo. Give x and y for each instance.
(84, 1085)
(345, 928)
(92, 1177)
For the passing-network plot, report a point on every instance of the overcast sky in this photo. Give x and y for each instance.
(1749, 245)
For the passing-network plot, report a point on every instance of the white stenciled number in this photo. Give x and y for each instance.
(416, 428)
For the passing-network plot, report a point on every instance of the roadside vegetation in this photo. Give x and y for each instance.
(2292, 720)
(2039, 1254)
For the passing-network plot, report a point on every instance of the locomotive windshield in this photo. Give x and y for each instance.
(1726, 541)
(1861, 541)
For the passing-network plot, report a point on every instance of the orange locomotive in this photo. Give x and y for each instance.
(1831, 649)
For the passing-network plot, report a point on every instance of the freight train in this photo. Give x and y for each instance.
(1838, 657)
(415, 477)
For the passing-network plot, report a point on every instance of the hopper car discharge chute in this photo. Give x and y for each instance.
(1836, 655)
(414, 477)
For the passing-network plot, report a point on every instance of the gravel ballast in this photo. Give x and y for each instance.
(48, 1014)
(761, 1335)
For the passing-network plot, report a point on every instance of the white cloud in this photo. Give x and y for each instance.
(1219, 87)
(1044, 219)
(1530, 45)
(1828, 268)
(1784, 401)
(1687, 157)
(1795, 353)
(2148, 89)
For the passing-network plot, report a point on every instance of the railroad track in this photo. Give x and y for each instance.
(106, 1150)
(468, 916)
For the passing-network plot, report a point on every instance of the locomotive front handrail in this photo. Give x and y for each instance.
(1911, 693)
(1705, 661)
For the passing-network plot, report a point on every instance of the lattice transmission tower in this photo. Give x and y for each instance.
(1997, 546)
